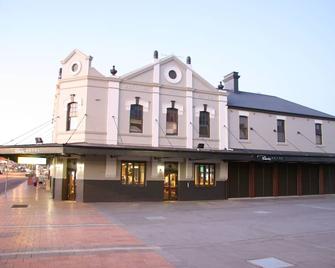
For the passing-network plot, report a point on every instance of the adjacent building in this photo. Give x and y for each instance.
(162, 132)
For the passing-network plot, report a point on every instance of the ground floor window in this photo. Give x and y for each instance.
(133, 173)
(204, 175)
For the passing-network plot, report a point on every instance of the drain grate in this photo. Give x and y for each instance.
(19, 206)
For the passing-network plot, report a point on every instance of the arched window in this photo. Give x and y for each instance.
(136, 117)
(72, 116)
(204, 123)
(172, 120)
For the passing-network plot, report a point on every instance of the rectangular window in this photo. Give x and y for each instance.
(204, 175)
(71, 116)
(133, 173)
(172, 121)
(243, 127)
(280, 130)
(136, 118)
(204, 124)
(318, 133)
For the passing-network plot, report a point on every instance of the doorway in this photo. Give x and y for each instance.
(171, 181)
(70, 181)
(71, 184)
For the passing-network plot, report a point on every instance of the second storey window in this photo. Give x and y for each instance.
(136, 117)
(280, 130)
(243, 127)
(204, 127)
(318, 133)
(204, 175)
(71, 115)
(133, 173)
(172, 120)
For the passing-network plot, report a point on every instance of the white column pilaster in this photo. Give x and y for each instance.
(223, 122)
(111, 165)
(189, 119)
(155, 106)
(155, 117)
(189, 108)
(113, 112)
(188, 170)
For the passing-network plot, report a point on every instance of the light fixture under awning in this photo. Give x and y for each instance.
(32, 160)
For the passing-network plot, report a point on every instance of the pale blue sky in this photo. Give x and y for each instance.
(283, 48)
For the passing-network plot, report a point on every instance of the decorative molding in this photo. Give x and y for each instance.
(177, 106)
(243, 113)
(145, 104)
(199, 109)
(172, 67)
(281, 117)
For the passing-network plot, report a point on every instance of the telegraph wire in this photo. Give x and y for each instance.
(117, 128)
(33, 129)
(164, 133)
(76, 128)
(235, 137)
(194, 128)
(259, 135)
(293, 145)
(299, 133)
(45, 129)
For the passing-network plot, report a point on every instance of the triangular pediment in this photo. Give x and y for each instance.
(76, 52)
(178, 76)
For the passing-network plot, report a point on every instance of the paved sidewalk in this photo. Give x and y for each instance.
(52, 233)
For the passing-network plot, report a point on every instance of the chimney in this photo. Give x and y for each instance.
(155, 56)
(231, 81)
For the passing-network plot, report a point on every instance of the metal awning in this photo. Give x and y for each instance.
(82, 149)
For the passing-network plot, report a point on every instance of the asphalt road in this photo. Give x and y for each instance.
(299, 231)
(12, 182)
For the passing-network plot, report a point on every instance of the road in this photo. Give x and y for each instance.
(13, 181)
(283, 232)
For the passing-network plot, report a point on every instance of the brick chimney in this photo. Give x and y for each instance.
(231, 81)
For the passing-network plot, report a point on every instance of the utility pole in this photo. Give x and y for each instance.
(6, 183)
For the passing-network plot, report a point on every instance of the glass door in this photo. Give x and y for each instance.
(71, 187)
(171, 181)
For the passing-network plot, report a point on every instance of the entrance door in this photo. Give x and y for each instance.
(71, 184)
(171, 181)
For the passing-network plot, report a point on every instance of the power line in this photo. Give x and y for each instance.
(45, 128)
(76, 128)
(117, 128)
(235, 137)
(194, 128)
(299, 133)
(259, 135)
(27, 132)
(164, 133)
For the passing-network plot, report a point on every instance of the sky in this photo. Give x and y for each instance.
(283, 48)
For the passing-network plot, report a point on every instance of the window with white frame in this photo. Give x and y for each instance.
(71, 116)
(280, 130)
(243, 127)
(136, 117)
(204, 123)
(318, 133)
(172, 120)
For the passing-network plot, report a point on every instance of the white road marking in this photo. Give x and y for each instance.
(262, 212)
(317, 207)
(79, 250)
(270, 262)
(59, 225)
(155, 218)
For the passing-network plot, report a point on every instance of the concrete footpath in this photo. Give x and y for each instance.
(36, 231)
